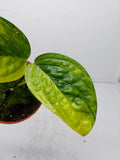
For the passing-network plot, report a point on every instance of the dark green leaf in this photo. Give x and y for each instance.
(12, 41)
(14, 50)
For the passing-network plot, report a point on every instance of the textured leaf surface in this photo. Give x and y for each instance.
(12, 41)
(65, 88)
(11, 68)
(14, 50)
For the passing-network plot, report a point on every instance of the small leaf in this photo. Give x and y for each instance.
(65, 88)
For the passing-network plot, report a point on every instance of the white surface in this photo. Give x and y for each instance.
(45, 137)
(87, 30)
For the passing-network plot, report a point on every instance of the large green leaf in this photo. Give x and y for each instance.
(65, 88)
(14, 49)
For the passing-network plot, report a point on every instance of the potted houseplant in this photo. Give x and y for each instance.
(16, 101)
(57, 81)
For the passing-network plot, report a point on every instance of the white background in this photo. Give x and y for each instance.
(86, 30)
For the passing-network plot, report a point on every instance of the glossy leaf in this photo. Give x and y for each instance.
(11, 68)
(65, 88)
(14, 51)
(12, 41)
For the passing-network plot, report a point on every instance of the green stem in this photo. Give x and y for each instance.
(22, 83)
